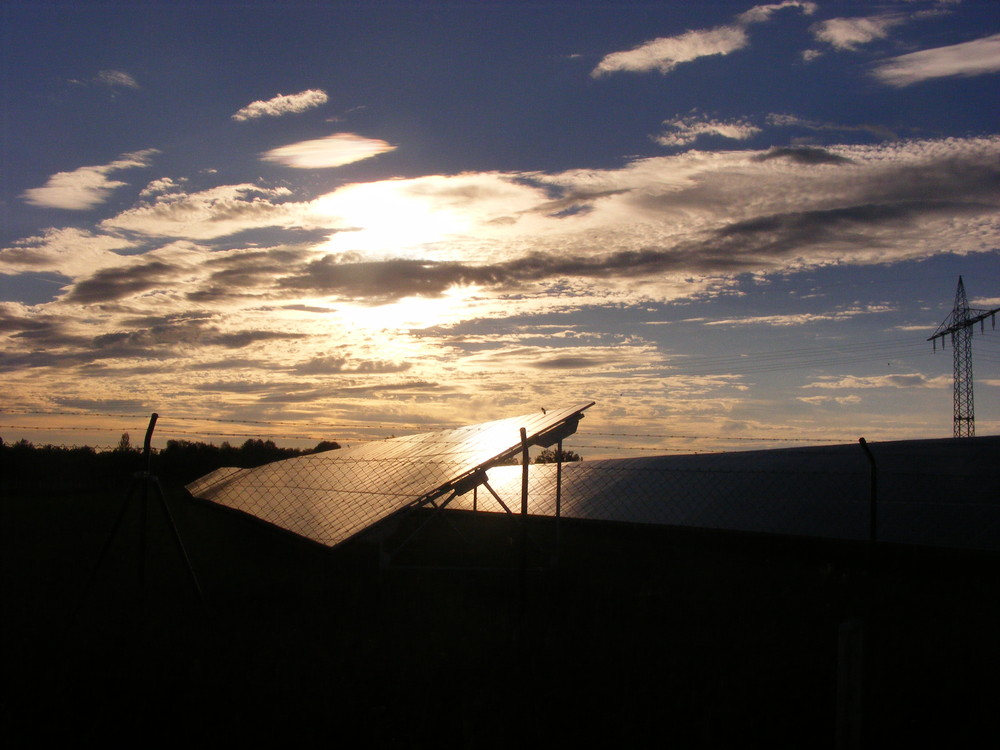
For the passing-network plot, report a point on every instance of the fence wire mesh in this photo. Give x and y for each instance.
(931, 492)
(939, 493)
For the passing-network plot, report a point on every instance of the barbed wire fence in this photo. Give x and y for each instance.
(353, 433)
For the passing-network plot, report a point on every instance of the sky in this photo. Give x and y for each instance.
(731, 226)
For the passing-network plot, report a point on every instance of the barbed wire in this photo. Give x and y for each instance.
(755, 439)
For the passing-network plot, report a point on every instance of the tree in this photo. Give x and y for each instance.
(554, 455)
(326, 445)
(124, 444)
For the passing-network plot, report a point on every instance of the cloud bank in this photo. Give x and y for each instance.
(643, 231)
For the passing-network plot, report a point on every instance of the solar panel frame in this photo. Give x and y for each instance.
(331, 497)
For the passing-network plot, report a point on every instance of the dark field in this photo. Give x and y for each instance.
(634, 635)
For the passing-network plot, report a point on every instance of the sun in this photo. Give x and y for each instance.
(388, 219)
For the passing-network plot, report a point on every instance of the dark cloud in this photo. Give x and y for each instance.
(237, 363)
(567, 363)
(803, 155)
(329, 365)
(574, 203)
(187, 332)
(241, 386)
(146, 337)
(40, 326)
(112, 405)
(778, 235)
(238, 275)
(305, 308)
(98, 370)
(151, 321)
(284, 394)
(112, 284)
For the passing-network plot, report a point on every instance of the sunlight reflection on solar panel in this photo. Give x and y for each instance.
(329, 497)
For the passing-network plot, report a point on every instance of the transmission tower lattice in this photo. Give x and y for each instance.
(959, 326)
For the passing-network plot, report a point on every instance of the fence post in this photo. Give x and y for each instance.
(872, 500)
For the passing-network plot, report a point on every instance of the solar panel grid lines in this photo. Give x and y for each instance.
(331, 496)
(933, 492)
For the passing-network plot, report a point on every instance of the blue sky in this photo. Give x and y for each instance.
(732, 223)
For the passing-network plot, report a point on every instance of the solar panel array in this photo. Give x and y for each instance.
(930, 492)
(329, 497)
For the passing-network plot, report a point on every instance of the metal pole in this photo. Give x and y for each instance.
(872, 497)
(559, 463)
(524, 518)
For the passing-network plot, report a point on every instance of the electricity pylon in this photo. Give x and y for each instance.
(959, 325)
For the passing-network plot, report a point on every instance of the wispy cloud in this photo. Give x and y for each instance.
(762, 13)
(282, 105)
(666, 53)
(850, 33)
(85, 187)
(967, 59)
(823, 400)
(332, 151)
(116, 79)
(798, 319)
(683, 131)
(901, 380)
(794, 121)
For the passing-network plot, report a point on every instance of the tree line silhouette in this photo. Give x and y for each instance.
(26, 467)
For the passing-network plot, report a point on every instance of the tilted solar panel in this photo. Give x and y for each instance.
(930, 492)
(329, 497)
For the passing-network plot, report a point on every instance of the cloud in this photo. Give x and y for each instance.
(331, 151)
(334, 364)
(967, 59)
(683, 131)
(116, 283)
(803, 155)
(839, 400)
(762, 13)
(798, 319)
(794, 121)
(901, 380)
(207, 214)
(70, 251)
(116, 79)
(666, 53)
(85, 187)
(162, 185)
(655, 229)
(282, 105)
(849, 33)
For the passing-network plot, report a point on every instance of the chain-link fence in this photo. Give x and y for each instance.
(931, 492)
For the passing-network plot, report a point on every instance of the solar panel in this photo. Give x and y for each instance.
(329, 497)
(930, 492)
